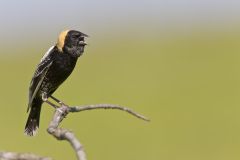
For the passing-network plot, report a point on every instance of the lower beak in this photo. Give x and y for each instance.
(82, 43)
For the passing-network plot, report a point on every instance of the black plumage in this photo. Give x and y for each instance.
(54, 68)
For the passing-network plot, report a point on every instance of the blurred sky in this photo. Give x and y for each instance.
(21, 20)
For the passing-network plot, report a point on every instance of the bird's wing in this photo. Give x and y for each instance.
(39, 75)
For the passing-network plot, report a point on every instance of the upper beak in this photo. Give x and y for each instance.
(84, 35)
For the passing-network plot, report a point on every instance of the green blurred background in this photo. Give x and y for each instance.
(176, 62)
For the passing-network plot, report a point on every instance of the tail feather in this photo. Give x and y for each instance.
(33, 119)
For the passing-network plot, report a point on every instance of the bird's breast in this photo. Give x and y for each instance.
(63, 66)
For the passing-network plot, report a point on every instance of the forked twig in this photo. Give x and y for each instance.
(64, 134)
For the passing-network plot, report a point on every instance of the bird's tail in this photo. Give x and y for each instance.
(33, 119)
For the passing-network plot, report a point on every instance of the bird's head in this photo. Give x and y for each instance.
(71, 42)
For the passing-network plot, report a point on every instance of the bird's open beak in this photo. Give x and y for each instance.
(82, 39)
(82, 42)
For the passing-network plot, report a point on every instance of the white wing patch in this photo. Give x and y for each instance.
(47, 53)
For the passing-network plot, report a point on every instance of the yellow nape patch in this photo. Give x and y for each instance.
(61, 39)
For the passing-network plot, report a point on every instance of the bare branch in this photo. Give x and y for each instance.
(21, 156)
(107, 106)
(63, 134)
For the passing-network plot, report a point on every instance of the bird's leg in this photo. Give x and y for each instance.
(45, 99)
(62, 104)
(58, 101)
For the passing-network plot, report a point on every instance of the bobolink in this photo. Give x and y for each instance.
(54, 68)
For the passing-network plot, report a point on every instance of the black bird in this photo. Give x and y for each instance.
(54, 68)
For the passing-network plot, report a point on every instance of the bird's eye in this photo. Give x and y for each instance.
(75, 36)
